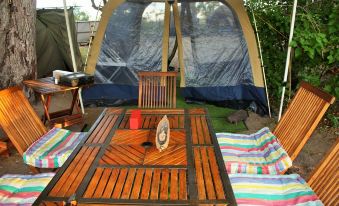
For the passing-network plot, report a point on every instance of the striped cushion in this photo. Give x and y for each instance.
(22, 189)
(52, 149)
(275, 190)
(258, 153)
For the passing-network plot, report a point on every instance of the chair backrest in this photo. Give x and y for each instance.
(301, 118)
(324, 180)
(18, 119)
(157, 89)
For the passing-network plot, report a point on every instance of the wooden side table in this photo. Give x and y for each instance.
(46, 88)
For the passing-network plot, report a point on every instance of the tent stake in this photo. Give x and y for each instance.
(288, 58)
(262, 63)
(72, 52)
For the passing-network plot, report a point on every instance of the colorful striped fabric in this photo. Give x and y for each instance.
(22, 189)
(53, 149)
(278, 190)
(258, 153)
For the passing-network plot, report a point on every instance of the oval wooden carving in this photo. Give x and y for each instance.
(163, 134)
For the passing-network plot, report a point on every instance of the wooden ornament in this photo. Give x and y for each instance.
(163, 134)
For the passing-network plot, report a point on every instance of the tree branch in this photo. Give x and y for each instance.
(99, 7)
(95, 6)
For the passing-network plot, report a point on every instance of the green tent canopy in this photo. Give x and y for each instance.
(52, 46)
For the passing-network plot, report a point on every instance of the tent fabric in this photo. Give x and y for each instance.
(52, 45)
(218, 66)
(249, 35)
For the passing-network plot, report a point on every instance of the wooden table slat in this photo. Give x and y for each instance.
(155, 184)
(78, 160)
(145, 191)
(137, 184)
(128, 184)
(215, 173)
(194, 131)
(174, 184)
(205, 129)
(182, 185)
(94, 182)
(200, 131)
(164, 184)
(98, 129)
(111, 183)
(82, 172)
(120, 183)
(102, 184)
(102, 135)
(207, 174)
(199, 173)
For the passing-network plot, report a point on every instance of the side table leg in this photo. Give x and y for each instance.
(45, 103)
(4, 149)
(74, 101)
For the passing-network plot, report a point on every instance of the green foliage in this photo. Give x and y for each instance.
(333, 31)
(334, 120)
(80, 15)
(315, 42)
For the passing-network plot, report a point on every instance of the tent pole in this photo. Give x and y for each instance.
(288, 57)
(91, 37)
(177, 25)
(165, 38)
(72, 51)
(262, 63)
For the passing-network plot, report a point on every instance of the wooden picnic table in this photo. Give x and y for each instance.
(110, 166)
(46, 88)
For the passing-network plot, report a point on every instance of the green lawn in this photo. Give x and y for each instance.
(218, 115)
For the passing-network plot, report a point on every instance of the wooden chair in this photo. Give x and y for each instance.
(301, 118)
(324, 179)
(157, 89)
(265, 155)
(250, 189)
(23, 127)
(18, 119)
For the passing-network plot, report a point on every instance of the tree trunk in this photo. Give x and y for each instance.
(17, 40)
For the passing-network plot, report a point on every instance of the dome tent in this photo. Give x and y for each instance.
(219, 52)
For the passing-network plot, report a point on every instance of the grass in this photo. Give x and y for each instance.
(217, 114)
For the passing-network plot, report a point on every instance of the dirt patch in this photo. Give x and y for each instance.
(314, 151)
